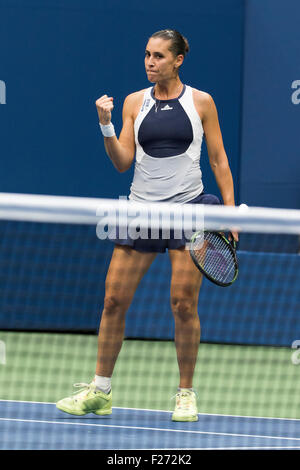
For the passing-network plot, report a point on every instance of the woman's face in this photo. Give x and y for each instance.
(160, 63)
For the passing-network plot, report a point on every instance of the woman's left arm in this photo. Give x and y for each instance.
(217, 156)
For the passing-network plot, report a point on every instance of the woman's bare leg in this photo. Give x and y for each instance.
(127, 267)
(185, 285)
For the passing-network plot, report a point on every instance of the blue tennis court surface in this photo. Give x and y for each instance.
(41, 426)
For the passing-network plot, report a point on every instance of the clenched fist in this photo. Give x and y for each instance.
(104, 107)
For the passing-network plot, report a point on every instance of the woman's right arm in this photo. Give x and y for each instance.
(121, 151)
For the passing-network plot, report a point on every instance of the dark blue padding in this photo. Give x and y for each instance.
(166, 133)
(260, 308)
(52, 277)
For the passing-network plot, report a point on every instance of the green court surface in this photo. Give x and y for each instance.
(229, 379)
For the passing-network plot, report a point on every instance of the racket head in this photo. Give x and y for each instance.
(215, 256)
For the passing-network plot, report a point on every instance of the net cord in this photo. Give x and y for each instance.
(84, 210)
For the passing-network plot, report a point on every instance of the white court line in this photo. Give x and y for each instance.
(162, 411)
(141, 428)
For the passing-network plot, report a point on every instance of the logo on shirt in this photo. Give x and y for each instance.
(166, 108)
(145, 105)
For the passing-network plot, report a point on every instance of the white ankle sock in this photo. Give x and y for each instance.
(103, 383)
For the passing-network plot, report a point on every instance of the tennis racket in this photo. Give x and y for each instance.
(215, 256)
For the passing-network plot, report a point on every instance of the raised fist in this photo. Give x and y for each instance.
(104, 107)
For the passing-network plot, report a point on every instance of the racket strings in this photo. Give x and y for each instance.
(215, 257)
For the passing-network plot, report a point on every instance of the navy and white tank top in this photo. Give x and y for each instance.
(168, 138)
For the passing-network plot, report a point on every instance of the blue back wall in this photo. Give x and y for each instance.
(270, 162)
(59, 56)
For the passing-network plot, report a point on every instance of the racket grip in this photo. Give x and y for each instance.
(232, 242)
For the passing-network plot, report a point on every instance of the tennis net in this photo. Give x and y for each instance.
(54, 257)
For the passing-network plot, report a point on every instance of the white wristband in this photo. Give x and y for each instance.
(107, 130)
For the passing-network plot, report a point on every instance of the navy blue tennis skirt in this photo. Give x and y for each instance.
(160, 245)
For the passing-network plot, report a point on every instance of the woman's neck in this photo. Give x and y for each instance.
(168, 90)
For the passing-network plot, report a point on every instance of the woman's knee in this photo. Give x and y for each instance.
(115, 305)
(184, 309)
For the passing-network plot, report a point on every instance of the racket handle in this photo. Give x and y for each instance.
(232, 242)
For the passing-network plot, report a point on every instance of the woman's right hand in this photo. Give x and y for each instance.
(104, 107)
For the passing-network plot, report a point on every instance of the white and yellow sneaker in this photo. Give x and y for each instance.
(86, 400)
(186, 406)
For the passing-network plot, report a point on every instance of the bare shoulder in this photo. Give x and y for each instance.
(203, 101)
(133, 102)
(202, 97)
(135, 96)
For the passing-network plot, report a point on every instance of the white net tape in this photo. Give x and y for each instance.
(81, 210)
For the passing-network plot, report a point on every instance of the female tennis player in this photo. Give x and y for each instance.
(163, 127)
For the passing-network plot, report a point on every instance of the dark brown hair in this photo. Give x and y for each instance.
(179, 44)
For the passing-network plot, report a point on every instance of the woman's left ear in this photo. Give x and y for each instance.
(177, 66)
